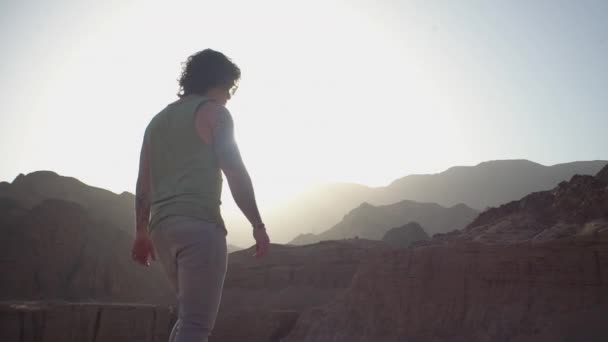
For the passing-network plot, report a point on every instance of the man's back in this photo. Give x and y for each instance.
(185, 176)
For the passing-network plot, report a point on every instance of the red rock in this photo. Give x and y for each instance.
(62, 321)
(573, 209)
(56, 251)
(471, 292)
(263, 297)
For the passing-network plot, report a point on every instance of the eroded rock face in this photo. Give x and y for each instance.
(99, 322)
(57, 251)
(263, 297)
(552, 291)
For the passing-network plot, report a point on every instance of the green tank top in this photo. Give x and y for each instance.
(185, 175)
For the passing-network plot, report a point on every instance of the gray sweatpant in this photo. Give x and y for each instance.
(194, 257)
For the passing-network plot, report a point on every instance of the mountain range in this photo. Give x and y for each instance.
(485, 185)
(532, 269)
(488, 184)
(117, 210)
(372, 222)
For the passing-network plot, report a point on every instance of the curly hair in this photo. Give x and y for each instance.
(207, 69)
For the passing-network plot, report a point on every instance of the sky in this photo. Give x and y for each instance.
(362, 91)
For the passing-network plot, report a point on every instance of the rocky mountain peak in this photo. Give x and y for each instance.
(574, 208)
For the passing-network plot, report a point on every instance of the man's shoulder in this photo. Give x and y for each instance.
(155, 119)
(213, 112)
(213, 109)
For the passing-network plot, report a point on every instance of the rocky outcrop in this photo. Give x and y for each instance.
(371, 222)
(578, 207)
(263, 297)
(63, 321)
(57, 251)
(552, 291)
(405, 236)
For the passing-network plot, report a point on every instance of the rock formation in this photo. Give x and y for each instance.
(263, 297)
(404, 236)
(530, 270)
(99, 322)
(56, 250)
(554, 291)
(578, 207)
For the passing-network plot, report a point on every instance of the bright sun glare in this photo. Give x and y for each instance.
(303, 115)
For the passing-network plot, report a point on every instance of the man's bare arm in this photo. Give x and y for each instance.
(142, 193)
(142, 249)
(231, 163)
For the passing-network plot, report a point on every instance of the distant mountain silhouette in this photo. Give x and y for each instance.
(487, 184)
(233, 248)
(102, 205)
(312, 211)
(371, 222)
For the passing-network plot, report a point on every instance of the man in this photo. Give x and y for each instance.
(185, 149)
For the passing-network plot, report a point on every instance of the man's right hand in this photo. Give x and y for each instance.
(262, 242)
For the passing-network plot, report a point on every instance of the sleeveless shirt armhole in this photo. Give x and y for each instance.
(199, 132)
